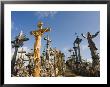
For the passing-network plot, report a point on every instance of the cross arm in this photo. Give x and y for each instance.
(35, 33)
(95, 34)
(45, 30)
(83, 35)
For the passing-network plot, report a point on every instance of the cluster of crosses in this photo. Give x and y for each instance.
(35, 59)
(76, 55)
(18, 42)
(53, 63)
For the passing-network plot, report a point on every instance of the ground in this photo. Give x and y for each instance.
(69, 72)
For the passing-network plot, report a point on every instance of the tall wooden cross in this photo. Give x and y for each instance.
(37, 46)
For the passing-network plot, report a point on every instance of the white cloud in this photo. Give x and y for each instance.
(45, 14)
(52, 13)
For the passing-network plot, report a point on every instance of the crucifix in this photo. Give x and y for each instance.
(37, 46)
(77, 44)
(92, 47)
(47, 46)
(18, 42)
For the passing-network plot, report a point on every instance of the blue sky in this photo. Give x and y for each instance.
(63, 26)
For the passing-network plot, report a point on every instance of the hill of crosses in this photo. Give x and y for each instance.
(51, 61)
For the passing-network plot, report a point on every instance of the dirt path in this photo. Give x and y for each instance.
(69, 72)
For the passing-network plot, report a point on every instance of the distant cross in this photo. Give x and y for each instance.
(77, 49)
(89, 38)
(75, 53)
(77, 42)
(22, 51)
(47, 47)
(92, 47)
(48, 41)
(18, 42)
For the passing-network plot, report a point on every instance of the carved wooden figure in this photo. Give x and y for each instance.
(37, 45)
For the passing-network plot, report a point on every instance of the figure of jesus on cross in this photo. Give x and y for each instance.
(93, 49)
(37, 45)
